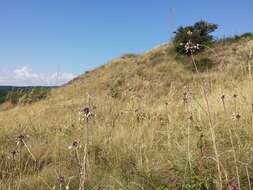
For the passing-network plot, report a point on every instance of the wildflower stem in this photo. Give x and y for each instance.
(48, 186)
(188, 147)
(214, 142)
(33, 157)
(211, 129)
(83, 169)
(194, 62)
(247, 171)
(235, 159)
(20, 168)
(78, 158)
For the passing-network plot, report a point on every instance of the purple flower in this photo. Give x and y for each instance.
(232, 186)
(61, 179)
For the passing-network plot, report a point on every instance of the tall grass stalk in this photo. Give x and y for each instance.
(211, 127)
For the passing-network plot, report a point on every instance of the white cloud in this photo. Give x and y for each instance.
(25, 73)
(27, 77)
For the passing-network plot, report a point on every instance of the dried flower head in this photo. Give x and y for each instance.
(190, 47)
(190, 118)
(232, 186)
(20, 139)
(222, 97)
(12, 154)
(75, 144)
(236, 116)
(172, 178)
(189, 32)
(185, 97)
(61, 179)
(140, 115)
(85, 113)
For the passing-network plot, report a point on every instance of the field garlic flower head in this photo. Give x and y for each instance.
(85, 114)
(191, 47)
(189, 32)
(61, 179)
(75, 144)
(20, 139)
(236, 116)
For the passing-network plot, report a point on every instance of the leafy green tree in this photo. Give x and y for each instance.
(193, 39)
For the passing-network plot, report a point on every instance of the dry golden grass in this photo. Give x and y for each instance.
(157, 126)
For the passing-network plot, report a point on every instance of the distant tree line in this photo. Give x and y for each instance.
(23, 95)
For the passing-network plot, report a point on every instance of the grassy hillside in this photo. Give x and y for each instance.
(157, 123)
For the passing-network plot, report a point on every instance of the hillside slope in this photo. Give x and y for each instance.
(157, 124)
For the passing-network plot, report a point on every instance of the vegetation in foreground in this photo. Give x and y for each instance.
(139, 122)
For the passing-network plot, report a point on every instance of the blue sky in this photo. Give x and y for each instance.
(48, 42)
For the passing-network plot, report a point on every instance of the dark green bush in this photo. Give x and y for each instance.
(34, 95)
(204, 64)
(247, 35)
(129, 55)
(2, 97)
(14, 96)
(236, 38)
(198, 183)
(193, 39)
